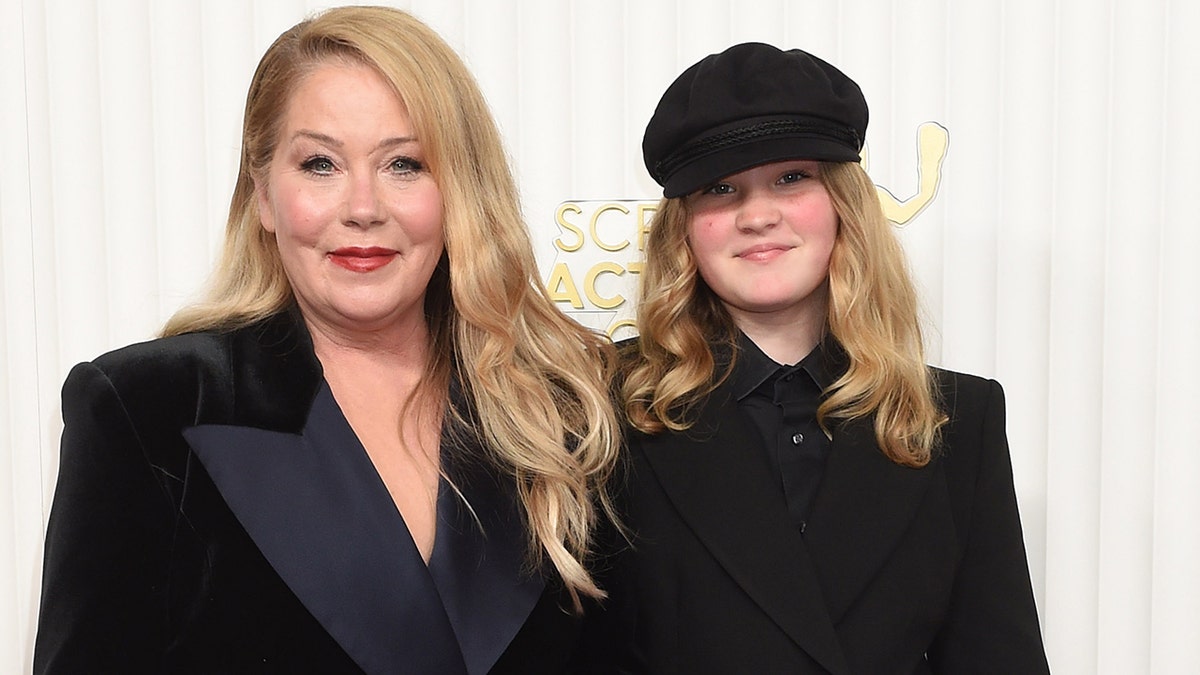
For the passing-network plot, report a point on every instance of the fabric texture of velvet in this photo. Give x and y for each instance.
(215, 513)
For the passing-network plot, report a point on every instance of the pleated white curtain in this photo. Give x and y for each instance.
(1058, 255)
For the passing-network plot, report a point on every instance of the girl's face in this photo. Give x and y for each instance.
(762, 239)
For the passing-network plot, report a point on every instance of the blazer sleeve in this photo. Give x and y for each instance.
(992, 622)
(104, 579)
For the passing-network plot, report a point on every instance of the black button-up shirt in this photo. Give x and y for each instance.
(781, 401)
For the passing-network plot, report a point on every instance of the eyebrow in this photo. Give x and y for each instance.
(331, 141)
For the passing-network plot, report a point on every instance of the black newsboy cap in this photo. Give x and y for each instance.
(749, 105)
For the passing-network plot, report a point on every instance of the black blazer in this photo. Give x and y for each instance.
(215, 513)
(899, 570)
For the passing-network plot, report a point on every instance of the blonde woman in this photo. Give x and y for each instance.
(807, 495)
(375, 446)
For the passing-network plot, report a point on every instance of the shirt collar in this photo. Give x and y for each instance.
(753, 367)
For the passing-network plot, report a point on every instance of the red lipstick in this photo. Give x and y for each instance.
(362, 259)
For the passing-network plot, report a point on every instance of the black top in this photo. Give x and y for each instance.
(215, 513)
(901, 570)
(781, 402)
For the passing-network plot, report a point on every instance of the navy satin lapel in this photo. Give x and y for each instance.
(720, 482)
(318, 511)
(481, 575)
(864, 505)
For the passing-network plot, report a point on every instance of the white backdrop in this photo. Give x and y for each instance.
(1057, 256)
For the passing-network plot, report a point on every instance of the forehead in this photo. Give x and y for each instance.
(342, 90)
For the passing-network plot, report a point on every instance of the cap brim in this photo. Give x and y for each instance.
(710, 168)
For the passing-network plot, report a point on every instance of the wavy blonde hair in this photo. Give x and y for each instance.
(535, 381)
(872, 313)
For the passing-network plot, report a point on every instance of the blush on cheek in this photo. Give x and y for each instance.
(701, 232)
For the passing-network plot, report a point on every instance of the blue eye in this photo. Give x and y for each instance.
(406, 165)
(318, 165)
(793, 176)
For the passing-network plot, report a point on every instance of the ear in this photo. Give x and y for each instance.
(266, 215)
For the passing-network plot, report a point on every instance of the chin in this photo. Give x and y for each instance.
(357, 317)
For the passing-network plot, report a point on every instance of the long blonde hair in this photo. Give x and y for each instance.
(872, 313)
(535, 381)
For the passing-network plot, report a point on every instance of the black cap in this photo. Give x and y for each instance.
(750, 105)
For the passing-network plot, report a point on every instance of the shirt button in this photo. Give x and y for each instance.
(797, 438)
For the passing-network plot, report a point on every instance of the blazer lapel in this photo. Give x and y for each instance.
(863, 507)
(479, 566)
(718, 479)
(312, 504)
(275, 375)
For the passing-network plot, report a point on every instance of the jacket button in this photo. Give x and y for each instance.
(797, 438)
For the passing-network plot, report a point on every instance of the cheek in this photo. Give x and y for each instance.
(818, 225)
(431, 219)
(418, 208)
(705, 243)
(704, 238)
(298, 215)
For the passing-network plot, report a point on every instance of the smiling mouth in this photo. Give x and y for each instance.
(763, 253)
(362, 259)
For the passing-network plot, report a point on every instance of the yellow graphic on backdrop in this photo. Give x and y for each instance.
(600, 245)
(932, 142)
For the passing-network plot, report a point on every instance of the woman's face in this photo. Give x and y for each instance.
(762, 240)
(354, 210)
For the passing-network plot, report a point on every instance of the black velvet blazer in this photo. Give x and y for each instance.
(900, 570)
(215, 513)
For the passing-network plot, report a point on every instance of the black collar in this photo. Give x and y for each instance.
(823, 364)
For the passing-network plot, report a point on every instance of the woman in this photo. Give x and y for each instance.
(807, 495)
(376, 446)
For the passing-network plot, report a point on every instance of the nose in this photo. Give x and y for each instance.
(758, 211)
(363, 206)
